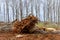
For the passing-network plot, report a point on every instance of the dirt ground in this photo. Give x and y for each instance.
(10, 36)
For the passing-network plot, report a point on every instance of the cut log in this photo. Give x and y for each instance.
(25, 25)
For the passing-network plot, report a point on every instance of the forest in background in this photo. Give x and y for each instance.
(44, 10)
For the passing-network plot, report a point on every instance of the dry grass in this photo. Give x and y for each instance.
(48, 25)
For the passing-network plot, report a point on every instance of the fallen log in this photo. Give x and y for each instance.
(25, 25)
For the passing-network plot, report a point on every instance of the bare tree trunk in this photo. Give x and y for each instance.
(7, 11)
(21, 9)
(39, 12)
(26, 8)
(32, 6)
(54, 10)
(58, 12)
(44, 11)
(47, 10)
(4, 12)
(36, 8)
(16, 13)
(0, 8)
(13, 8)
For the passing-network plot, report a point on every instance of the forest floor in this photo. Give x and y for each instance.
(10, 36)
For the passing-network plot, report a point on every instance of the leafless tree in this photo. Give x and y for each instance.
(21, 9)
(7, 10)
(13, 6)
(4, 11)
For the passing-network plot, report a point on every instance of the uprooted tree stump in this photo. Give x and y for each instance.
(25, 25)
